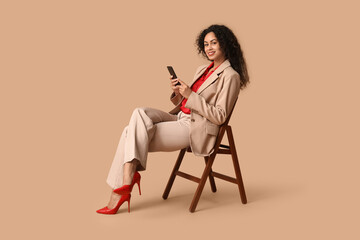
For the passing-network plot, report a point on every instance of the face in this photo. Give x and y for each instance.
(212, 48)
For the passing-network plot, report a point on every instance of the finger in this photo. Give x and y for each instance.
(182, 83)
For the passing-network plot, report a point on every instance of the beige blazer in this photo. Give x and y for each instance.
(209, 106)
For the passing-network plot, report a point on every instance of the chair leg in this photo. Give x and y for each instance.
(202, 182)
(211, 178)
(239, 179)
(173, 173)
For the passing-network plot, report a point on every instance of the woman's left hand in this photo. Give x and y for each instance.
(184, 89)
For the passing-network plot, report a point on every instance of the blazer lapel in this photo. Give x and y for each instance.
(215, 75)
(197, 75)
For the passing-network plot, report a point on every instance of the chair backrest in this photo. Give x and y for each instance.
(223, 128)
(228, 118)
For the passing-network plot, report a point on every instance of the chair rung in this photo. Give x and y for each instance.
(224, 146)
(224, 151)
(188, 176)
(220, 150)
(224, 177)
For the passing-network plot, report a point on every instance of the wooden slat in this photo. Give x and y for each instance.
(224, 151)
(236, 165)
(220, 150)
(188, 176)
(211, 177)
(204, 176)
(224, 146)
(173, 173)
(224, 177)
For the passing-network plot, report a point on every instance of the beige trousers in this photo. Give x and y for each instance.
(149, 130)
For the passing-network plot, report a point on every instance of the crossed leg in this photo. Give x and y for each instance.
(149, 130)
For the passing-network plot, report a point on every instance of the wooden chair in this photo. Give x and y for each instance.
(208, 172)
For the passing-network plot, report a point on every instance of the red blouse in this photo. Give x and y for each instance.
(197, 85)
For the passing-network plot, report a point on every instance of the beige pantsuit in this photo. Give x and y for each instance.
(152, 130)
(149, 130)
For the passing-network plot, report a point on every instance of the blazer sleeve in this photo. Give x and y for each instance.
(217, 113)
(176, 99)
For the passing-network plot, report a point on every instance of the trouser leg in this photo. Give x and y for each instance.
(170, 136)
(148, 130)
(115, 176)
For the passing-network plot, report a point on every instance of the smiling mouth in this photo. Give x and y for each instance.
(211, 53)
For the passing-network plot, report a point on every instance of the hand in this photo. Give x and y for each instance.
(184, 89)
(173, 87)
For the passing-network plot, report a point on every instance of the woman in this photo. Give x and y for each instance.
(199, 110)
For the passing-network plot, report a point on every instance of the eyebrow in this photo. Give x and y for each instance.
(211, 40)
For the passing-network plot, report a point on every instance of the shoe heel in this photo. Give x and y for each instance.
(129, 204)
(138, 183)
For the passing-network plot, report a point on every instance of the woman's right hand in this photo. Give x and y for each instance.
(173, 87)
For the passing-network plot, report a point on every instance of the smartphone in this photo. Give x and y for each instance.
(172, 72)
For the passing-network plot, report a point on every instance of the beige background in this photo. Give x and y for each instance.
(73, 71)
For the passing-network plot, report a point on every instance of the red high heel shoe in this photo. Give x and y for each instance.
(126, 189)
(123, 198)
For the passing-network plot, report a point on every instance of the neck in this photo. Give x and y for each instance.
(218, 62)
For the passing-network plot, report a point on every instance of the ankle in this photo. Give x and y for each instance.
(128, 178)
(114, 198)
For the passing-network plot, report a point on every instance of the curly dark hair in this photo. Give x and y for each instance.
(230, 45)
